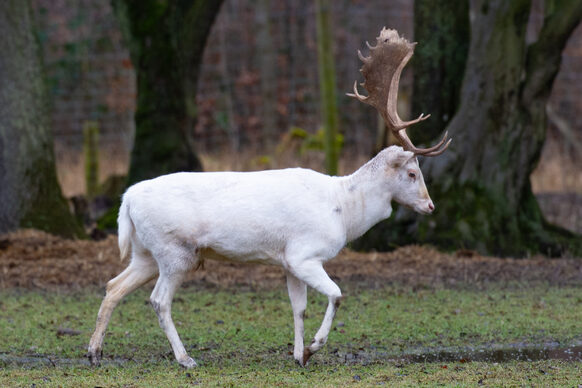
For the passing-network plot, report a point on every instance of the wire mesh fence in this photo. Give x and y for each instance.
(258, 81)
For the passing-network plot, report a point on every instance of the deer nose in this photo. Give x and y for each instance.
(431, 206)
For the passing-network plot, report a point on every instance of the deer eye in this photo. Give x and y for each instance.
(412, 175)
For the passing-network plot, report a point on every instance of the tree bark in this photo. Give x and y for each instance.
(30, 196)
(481, 185)
(443, 29)
(166, 41)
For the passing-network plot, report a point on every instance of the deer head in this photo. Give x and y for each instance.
(381, 72)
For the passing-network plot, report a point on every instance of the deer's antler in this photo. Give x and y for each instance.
(381, 72)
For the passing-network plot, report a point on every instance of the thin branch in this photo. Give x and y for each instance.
(544, 56)
(564, 128)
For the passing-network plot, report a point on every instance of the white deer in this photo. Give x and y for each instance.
(295, 218)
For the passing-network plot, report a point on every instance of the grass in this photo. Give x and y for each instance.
(541, 373)
(243, 338)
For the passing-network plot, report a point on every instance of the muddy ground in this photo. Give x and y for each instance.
(36, 260)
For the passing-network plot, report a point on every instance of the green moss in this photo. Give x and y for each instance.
(475, 217)
(46, 208)
(108, 221)
(53, 216)
(478, 218)
(471, 217)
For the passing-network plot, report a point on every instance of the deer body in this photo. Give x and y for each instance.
(260, 216)
(238, 216)
(295, 218)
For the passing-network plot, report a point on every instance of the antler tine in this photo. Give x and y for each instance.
(398, 124)
(357, 94)
(382, 70)
(435, 150)
(362, 57)
(437, 153)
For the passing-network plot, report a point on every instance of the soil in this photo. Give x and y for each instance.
(36, 260)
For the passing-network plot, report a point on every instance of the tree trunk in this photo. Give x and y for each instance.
(438, 63)
(30, 196)
(327, 87)
(166, 40)
(481, 185)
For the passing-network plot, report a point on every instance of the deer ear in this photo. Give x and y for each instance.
(399, 159)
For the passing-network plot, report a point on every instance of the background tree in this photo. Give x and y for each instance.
(443, 31)
(30, 196)
(166, 41)
(481, 185)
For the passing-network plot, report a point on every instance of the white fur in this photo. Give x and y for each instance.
(295, 218)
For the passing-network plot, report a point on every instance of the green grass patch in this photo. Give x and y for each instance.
(164, 374)
(243, 337)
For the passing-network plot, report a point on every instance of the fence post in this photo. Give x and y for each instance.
(327, 85)
(91, 154)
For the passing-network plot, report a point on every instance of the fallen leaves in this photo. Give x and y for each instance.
(34, 259)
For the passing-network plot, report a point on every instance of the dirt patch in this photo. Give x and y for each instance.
(36, 260)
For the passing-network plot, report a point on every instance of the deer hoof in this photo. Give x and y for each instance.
(188, 363)
(95, 357)
(307, 353)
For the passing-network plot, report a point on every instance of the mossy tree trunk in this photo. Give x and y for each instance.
(481, 185)
(166, 41)
(30, 196)
(443, 29)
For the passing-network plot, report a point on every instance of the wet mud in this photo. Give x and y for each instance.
(571, 353)
(535, 353)
(491, 353)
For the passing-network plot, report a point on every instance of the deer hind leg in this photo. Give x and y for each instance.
(312, 273)
(141, 269)
(171, 275)
(298, 296)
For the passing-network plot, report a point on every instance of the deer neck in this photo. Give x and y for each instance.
(365, 200)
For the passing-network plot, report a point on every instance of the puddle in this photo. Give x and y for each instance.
(42, 360)
(516, 353)
(495, 353)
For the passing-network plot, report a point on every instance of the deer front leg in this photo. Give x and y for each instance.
(312, 273)
(298, 296)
